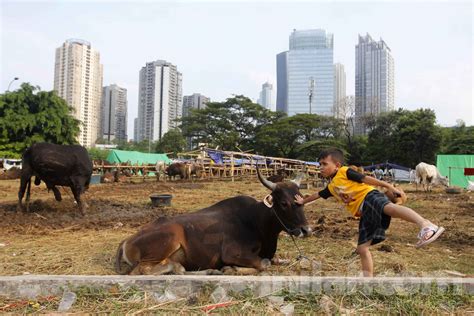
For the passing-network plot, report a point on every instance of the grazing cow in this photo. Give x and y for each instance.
(176, 169)
(193, 169)
(160, 168)
(238, 231)
(62, 165)
(427, 175)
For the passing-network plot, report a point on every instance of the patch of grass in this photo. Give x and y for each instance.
(118, 300)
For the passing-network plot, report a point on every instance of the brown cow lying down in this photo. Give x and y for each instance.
(239, 232)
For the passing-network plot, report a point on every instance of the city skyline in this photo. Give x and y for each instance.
(434, 63)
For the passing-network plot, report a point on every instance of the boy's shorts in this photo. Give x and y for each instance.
(373, 221)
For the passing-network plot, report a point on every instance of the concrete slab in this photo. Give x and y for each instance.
(31, 286)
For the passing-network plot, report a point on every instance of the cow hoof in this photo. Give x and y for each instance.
(228, 270)
(280, 262)
(265, 263)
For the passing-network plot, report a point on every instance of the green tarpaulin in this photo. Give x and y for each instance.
(453, 167)
(136, 157)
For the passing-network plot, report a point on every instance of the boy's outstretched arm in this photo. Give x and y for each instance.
(372, 181)
(300, 200)
(324, 194)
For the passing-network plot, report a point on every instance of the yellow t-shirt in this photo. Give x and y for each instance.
(349, 192)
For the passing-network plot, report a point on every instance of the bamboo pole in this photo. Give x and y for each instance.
(232, 166)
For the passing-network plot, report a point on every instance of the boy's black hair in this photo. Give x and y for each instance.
(336, 154)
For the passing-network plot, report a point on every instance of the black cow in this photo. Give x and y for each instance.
(239, 231)
(63, 165)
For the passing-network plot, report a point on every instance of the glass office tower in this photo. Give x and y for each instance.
(310, 72)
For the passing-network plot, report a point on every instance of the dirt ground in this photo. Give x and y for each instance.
(55, 239)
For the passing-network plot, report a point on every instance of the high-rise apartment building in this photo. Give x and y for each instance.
(194, 101)
(309, 73)
(159, 99)
(114, 113)
(374, 80)
(78, 80)
(339, 90)
(266, 97)
(135, 129)
(282, 82)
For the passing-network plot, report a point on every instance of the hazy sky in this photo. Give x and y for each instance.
(225, 48)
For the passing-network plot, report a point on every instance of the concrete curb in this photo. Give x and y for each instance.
(32, 286)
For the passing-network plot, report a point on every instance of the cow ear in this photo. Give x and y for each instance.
(268, 201)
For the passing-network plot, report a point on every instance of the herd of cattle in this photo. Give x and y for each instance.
(120, 172)
(234, 234)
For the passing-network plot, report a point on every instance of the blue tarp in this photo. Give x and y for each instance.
(216, 156)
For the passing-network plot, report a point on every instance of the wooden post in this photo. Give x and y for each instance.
(232, 166)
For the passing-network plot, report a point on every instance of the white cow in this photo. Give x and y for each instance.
(427, 175)
(160, 169)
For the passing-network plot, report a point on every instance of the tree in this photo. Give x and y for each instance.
(96, 153)
(144, 146)
(406, 137)
(29, 115)
(458, 140)
(172, 141)
(418, 137)
(300, 136)
(381, 140)
(230, 124)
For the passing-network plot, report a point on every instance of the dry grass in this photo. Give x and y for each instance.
(54, 239)
(130, 301)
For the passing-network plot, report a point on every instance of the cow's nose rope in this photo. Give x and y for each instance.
(300, 256)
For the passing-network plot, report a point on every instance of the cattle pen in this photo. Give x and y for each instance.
(216, 164)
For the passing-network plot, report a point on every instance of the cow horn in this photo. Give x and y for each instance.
(268, 184)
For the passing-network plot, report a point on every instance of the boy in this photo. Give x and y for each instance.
(373, 207)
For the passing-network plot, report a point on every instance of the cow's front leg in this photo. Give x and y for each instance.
(25, 179)
(57, 194)
(76, 191)
(236, 255)
(166, 266)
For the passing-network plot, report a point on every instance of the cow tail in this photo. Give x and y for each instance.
(118, 258)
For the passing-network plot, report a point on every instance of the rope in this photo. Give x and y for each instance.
(300, 256)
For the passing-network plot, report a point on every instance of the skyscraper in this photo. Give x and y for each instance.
(310, 77)
(374, 80)
(114, 113)
(194, 101)
(266, 97)
(339, 89)
(282, 82)
(135, 129)
(159, 99)
(78, 80)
